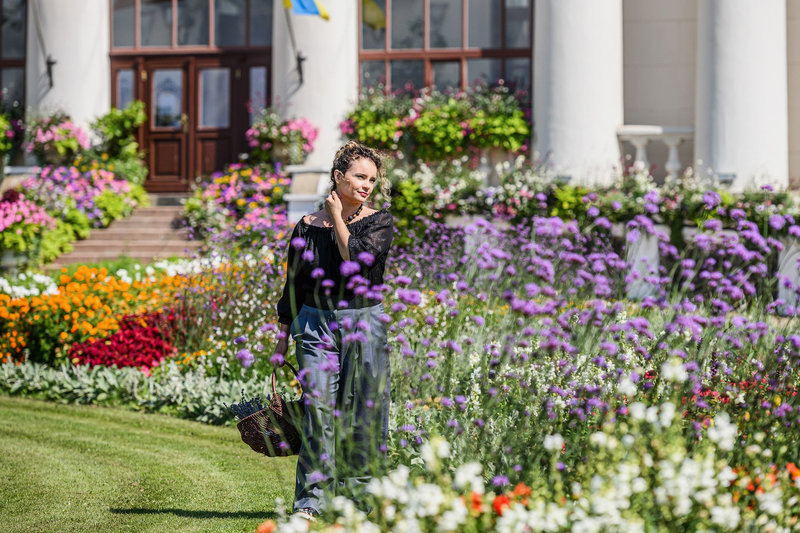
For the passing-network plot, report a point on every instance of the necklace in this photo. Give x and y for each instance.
(354, 215)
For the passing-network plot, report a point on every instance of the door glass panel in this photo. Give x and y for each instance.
(445, 24)
(260, 22)
(258, 91)
(167, 98)
(518, 74)
(13, 80)
(373, 24)
(156, 23)
(483, 71)
(373, 73)
(13, 29)
(518, 23)
(407, 24)
(484, 24)
(229, 22)
(447, 74)
(408, 75)
(192, 22)
(124, 87)
(123, 24)
(215, 97)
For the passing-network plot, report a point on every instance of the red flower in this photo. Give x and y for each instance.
(501, 502)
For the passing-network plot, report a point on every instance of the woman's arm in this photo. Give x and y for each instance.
(282, 346)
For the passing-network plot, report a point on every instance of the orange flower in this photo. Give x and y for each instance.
(522, 490)
(475, 502)
(793, 470)
(266, 527)
(501, 502)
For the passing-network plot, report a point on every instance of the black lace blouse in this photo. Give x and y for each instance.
(313, 274)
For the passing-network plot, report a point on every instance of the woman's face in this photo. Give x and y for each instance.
(357, 183)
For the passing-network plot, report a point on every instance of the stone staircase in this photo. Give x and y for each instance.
(147, 235)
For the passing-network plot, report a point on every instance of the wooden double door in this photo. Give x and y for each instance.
(198, 110)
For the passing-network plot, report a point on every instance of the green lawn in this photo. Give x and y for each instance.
(81, 468)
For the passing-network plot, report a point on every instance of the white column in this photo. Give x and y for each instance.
(741, 117)
(75, 33)
(577, 80)
(330, 72)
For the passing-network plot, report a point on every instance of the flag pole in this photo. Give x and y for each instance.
(299, 57)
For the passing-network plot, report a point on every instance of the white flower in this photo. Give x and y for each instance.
(638, 484)
(637, 410)
(725, 514)
(673, 370)
(770, 502)
(453, 518)
(468, 476)
(627, 387)
(436, 448)
(553, 442)
(723, 432)
(667, 413)
(425, 500)
(599, 439)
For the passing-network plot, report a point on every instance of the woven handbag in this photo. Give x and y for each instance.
(275, 430)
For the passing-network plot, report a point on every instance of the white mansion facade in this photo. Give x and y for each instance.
(713, 83)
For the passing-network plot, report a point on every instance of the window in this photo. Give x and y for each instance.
(409, 44)
(12, 55)
(211, 24)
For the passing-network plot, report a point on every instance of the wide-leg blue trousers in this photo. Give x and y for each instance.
(344, 368)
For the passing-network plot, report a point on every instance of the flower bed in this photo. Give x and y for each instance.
(73, 202)
(241, 204)
(87, 307)
(526, 191)
(518, 349)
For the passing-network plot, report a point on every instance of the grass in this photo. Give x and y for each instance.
(85, 468)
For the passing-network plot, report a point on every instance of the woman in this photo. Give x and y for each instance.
(331, 305)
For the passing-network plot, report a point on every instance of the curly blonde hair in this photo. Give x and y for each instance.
(355, 150)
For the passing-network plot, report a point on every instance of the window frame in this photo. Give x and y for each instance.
(19, 62)
(431, 55)
(174, 48)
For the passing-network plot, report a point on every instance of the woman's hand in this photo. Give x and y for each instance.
(279, 355)
(333, 206)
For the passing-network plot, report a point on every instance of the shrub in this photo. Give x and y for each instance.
(118, 150)
(435, 126)
(22, 223)
(97, 193)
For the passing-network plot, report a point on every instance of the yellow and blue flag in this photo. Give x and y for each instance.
(373, 15)
(306, 7)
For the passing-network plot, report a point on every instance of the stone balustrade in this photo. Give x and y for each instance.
(641, 135)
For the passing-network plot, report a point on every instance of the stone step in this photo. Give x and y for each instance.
(132, 222)
(146, 246)
(110, 255)
(139, 233)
